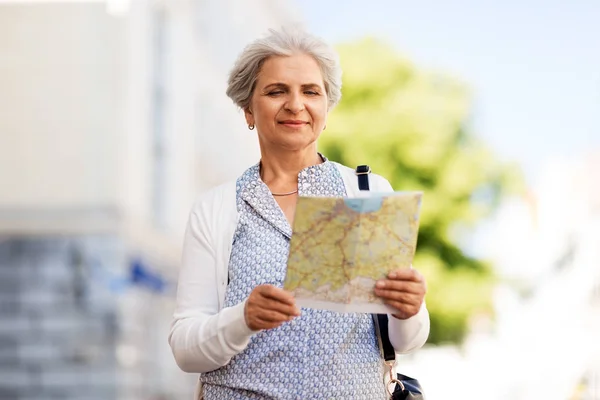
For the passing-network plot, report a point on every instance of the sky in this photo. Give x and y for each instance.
(533, 65)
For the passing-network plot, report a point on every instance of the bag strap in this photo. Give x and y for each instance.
(381, 330)
(379, 320)
(363, 171)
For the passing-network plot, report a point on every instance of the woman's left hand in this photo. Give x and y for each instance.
(404, 290)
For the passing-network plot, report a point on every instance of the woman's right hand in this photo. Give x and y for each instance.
(268, 307)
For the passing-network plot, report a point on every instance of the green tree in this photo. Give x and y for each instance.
(411, 126)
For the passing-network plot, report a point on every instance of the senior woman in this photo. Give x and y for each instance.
(234, 324)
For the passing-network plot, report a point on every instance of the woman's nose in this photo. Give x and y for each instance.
(294, 104)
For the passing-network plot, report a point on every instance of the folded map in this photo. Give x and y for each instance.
(341, 246)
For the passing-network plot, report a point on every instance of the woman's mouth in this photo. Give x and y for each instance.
(293, 123)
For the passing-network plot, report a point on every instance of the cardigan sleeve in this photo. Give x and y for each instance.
(202, 337)
(409, 334)
(412, 333)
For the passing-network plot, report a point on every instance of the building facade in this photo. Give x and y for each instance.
(113, 118)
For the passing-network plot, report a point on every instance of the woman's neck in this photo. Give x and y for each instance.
(280, 170)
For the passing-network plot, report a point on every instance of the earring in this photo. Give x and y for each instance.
(325, 127)
(251, 127)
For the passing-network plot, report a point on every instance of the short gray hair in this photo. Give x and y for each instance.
(242, 79)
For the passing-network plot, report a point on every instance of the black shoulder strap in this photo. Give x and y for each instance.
(363, 171)
(380, 321)
(381, 329)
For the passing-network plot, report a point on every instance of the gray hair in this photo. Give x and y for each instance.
(243, 77)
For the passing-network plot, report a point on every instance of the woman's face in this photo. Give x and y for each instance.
(289, 103)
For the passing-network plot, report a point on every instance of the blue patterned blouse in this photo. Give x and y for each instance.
(319, 355)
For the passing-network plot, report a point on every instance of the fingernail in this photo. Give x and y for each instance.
(380, 284)
(392, 275)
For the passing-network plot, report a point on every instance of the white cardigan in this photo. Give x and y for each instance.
(205, 336)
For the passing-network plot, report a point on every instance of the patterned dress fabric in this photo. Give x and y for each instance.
(319, 355)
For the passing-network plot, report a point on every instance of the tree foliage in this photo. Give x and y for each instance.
(412, 127)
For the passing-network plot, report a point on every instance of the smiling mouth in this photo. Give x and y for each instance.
(293, 123)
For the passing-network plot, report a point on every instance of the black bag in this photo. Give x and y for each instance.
(405, 387)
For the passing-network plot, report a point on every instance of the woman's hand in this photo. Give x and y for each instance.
(268, 307)
(404, 290)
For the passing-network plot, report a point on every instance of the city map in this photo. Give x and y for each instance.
(341, 246)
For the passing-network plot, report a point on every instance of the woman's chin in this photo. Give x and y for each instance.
(296, 143)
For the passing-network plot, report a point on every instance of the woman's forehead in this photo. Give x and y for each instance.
(296, 69)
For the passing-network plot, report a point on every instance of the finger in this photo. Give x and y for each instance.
(258, 319)
(403, 297)
(273, 316)
(405, 310)
(406, 274)
(282, 308)
(258, 305)
(401, 286)
(275, 293)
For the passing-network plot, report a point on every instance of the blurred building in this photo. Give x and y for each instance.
(112, 118)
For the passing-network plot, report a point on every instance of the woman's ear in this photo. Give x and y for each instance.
(249, 116)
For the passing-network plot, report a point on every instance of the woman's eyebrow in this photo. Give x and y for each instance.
(275, 85)
(311, 86)
(285, 86)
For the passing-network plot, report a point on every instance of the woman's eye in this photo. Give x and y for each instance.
(275, 92)
(311, 93)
